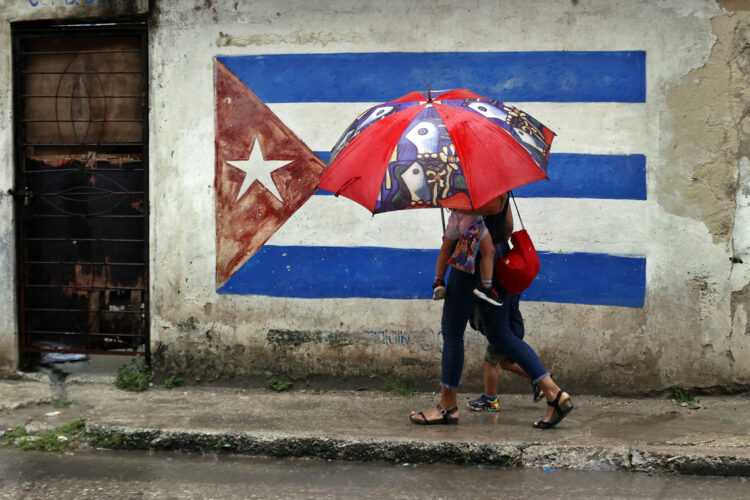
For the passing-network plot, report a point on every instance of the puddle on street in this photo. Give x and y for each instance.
(124, 474)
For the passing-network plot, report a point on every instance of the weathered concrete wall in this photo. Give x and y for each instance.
(692, 329)
(691, 229)
(701, 177)
(15, 12)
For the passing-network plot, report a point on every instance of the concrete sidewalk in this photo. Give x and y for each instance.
(644, 435)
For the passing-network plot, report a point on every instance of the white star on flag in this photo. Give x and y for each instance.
(257, 167)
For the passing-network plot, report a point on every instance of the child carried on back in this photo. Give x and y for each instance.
(473, 229)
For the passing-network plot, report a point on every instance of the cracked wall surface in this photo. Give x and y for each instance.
(703, 175)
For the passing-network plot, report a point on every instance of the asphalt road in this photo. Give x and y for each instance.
(124, 475)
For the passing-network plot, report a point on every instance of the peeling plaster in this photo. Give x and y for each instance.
(682, 8)
(739, 321)
(297, 37)
(698, 177)
(734, 5)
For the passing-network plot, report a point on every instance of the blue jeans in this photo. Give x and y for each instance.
(460, 302)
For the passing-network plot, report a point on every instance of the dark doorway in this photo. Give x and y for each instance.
(81, 197)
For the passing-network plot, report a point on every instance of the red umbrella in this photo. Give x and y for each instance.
(453, 149)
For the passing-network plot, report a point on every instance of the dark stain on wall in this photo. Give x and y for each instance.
(295, 338)
(292, 338)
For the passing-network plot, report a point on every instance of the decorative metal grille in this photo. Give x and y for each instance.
(81, 177)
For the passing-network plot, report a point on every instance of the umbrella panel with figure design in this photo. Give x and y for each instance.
(451, 149)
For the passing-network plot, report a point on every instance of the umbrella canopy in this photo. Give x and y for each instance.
(453, 149)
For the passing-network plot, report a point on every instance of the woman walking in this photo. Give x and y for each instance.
(459, 305)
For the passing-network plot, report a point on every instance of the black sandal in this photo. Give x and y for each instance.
(446, 420)
(537, 392)
(561, 411)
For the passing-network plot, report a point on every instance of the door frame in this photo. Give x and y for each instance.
(130, 25)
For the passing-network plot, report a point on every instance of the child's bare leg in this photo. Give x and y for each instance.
(486, 266)
(491, 379)
(446, 249)
(485, 290)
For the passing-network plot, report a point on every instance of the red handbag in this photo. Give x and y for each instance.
(518, 269)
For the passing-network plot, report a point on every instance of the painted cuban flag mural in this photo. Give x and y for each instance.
(278, 117)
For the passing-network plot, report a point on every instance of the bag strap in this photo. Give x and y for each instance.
(517, 212)
(442, 218)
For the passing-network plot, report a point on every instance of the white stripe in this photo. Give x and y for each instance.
(555, 224)
(587, 128)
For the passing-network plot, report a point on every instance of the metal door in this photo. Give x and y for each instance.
(81, 132)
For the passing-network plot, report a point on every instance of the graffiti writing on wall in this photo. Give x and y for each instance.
(45, 3)
(427, 339)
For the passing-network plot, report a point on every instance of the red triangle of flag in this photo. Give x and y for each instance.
(244, 225)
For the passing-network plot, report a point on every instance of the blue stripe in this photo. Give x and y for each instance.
(552, 76)
(324, 155)
(587, 278)
(390, 273)
(615, 177)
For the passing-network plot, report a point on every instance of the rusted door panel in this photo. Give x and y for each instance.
(81, 188)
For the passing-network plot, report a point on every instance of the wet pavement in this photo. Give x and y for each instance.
(134, 474)
(709, 437)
